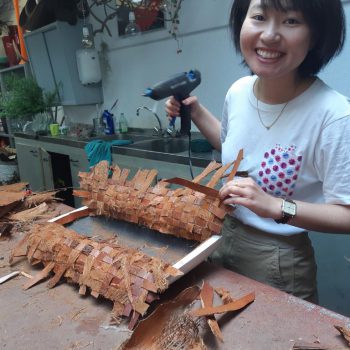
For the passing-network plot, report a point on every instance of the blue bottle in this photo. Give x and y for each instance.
(107, 119)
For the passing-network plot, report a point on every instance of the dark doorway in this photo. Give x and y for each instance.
(62, 178)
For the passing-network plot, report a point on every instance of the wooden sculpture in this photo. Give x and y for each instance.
(193, 213)
(127, 277)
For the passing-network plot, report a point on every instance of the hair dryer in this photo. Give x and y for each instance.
(179, 86)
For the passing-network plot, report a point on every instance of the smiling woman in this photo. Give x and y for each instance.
(295, 132)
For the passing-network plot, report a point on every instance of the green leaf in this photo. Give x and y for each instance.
(24, 97)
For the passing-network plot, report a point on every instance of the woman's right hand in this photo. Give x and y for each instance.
(207, 124)
(172, 106)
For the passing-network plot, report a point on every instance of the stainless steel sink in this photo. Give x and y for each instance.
(164, 145)
(126, 136)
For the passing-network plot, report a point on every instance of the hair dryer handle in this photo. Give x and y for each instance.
(185, 114)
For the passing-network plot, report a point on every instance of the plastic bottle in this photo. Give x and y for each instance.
(88, 63)
(107, 119)
(116, 124)
(132, 27)
(123, 124)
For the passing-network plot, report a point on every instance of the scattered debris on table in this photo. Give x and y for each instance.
(175, 324)
(345, 332)
(7, 153)
(20, 207)
(310, 346)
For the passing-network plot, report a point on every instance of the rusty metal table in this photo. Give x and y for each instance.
(59, 318)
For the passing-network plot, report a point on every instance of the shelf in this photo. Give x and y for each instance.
(12, 68)
(20, 69)
(4, 134)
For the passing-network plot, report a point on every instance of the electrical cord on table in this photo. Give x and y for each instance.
(189, 155)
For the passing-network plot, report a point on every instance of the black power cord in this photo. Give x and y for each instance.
(190, 155)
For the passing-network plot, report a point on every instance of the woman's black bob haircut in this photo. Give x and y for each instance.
(325, 18)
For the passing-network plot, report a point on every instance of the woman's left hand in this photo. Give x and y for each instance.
(246, 192)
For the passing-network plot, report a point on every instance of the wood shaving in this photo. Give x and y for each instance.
(345, 332)
(38, 198)
(31, 214)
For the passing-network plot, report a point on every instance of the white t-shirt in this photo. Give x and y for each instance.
(304, 156)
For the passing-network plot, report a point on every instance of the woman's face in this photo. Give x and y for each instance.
(274, 43)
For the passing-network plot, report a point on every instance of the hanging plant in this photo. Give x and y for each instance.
(173, 9)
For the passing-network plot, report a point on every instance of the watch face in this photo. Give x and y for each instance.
(289, 208)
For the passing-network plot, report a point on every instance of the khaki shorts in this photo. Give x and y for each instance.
(283, 262)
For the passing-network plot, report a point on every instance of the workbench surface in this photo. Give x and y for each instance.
(59, 318)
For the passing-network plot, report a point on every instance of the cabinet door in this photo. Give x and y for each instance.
(30, 166)
(78, 162)
(40, 61)
(47, 170)
(52, 54)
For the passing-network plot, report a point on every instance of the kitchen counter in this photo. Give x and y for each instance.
(198, 159)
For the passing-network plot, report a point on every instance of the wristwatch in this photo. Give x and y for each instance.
(289, 210)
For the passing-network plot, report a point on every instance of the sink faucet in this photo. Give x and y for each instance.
(159, 131)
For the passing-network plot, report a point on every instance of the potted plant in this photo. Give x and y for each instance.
(23, 100)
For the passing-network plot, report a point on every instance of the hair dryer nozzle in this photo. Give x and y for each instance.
(148, 92)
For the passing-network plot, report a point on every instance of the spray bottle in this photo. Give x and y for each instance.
(107, 119)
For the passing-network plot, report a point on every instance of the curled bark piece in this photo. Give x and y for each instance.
(30, 214)
(207, 296)
(167, 326)
(173, 327)
(194, 186)
(40, 276)
(41, 197)
(236, 165)
(345, 332)
(234, 306)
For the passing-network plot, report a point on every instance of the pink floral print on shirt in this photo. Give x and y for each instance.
(279, 171)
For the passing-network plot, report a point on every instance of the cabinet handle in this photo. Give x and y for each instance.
(34, 152)
(45, 159)
(73, 161)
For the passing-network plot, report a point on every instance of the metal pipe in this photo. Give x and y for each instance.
(148, 109)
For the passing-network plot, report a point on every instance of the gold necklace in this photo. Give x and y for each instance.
(267, 127)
